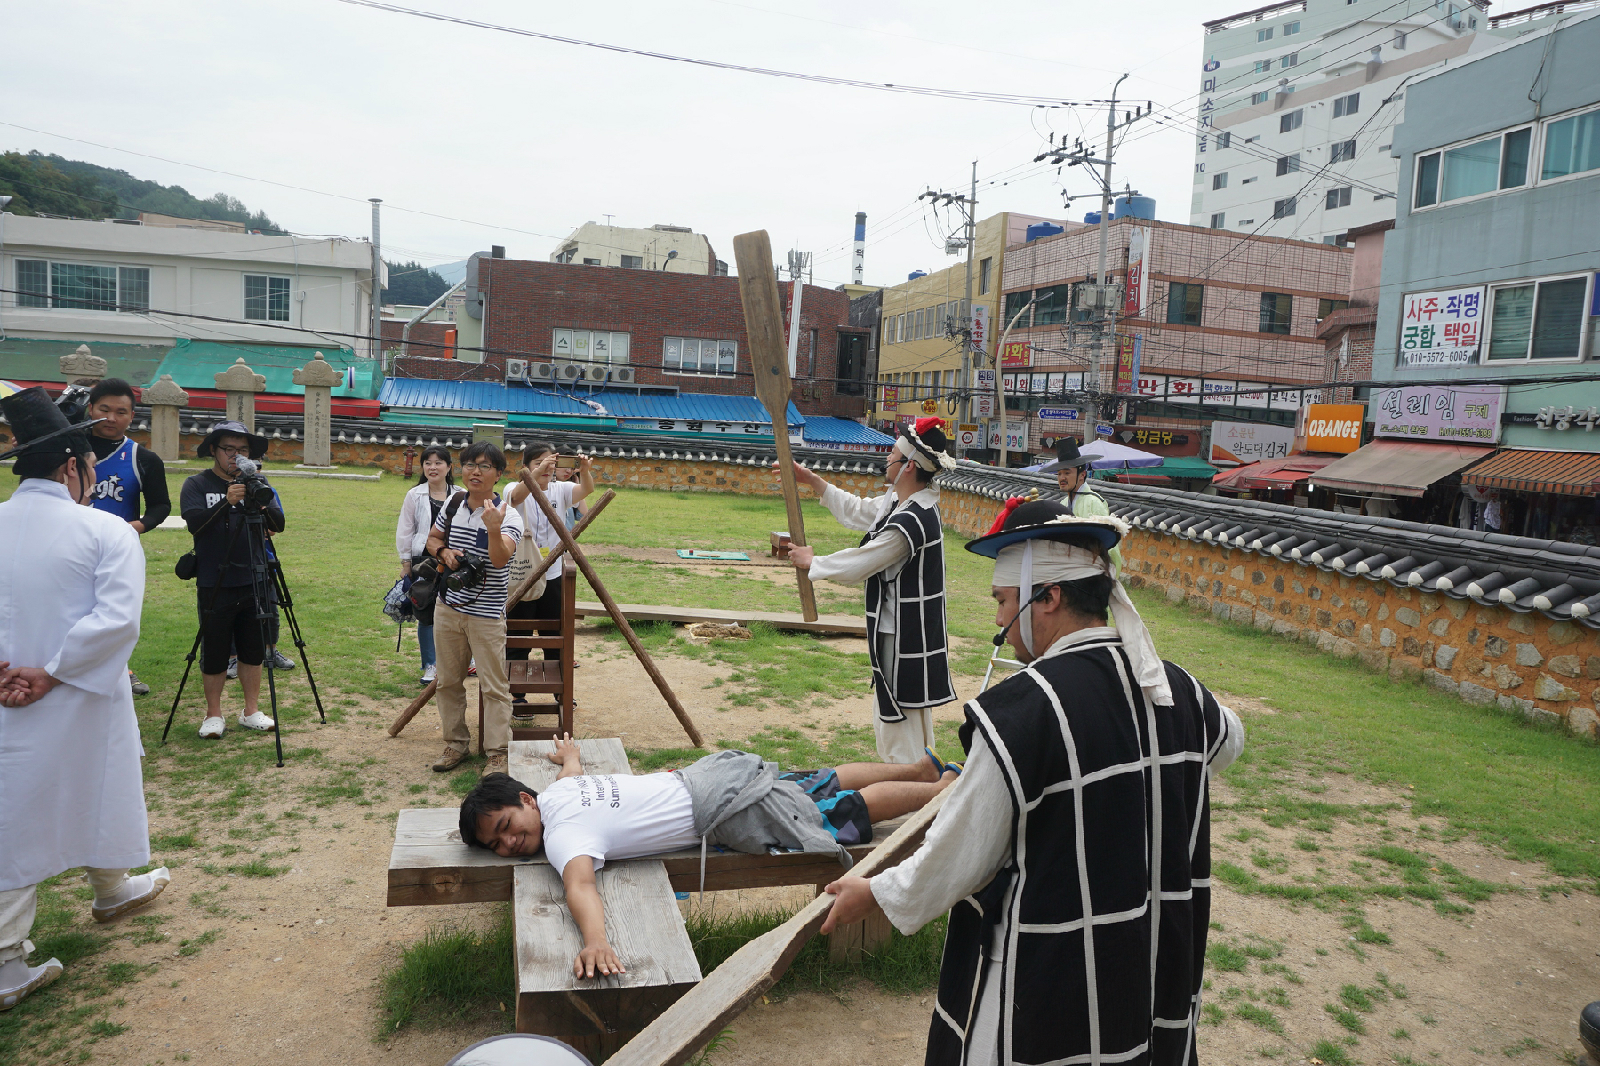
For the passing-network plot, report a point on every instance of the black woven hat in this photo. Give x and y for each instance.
(1067, 457)
(1045, 520)
(41, 436)
(258, 444)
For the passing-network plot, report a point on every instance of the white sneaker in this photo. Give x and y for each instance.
(258, 721)
(213, 728)
(38, 977)
(135, 892)
(430, 674)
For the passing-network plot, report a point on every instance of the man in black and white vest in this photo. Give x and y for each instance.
(1073, 855)
(901, 561)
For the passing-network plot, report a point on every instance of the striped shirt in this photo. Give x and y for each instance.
(469, 534)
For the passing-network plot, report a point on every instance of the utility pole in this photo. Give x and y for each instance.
(1104, 297)
(969, 206)
(798, 262)
(377, 286)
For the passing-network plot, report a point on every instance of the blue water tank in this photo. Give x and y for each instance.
(1135, 207)
(1042, 229)
(915, 274)
(1092, 218)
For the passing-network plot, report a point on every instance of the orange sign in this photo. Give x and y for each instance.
(1330, 427)
(1014, 353)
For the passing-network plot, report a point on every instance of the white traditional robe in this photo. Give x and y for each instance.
(71, 785)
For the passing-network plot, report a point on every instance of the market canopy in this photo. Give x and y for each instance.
(1535, 470)
(1283, 472)
(1108, 455)
(1396, 467)
(1171, 466)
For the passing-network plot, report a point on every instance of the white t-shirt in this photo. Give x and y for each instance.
(615, 816)
(560, 496)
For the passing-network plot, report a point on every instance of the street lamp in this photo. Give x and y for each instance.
(671, 255)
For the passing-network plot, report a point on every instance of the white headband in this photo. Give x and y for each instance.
(1036, 561)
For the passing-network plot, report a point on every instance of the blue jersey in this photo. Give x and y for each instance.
(116, 486)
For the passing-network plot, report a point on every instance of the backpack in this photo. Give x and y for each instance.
(425, 578)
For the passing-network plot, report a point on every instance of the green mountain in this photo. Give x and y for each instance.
(51, 185)
(412, 283)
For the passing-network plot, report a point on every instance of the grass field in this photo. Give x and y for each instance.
(1532, 791)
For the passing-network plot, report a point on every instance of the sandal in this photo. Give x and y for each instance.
(942, 767)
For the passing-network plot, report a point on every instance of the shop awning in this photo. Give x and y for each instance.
(1532, 470)
(1396, 467)
(1284, 472)
(1171, 466)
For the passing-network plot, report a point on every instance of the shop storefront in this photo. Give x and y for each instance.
(1533, 493)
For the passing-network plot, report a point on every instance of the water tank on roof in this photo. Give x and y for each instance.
(915, 274)
(1092, 218)
(1135, 207)
(1042, 229)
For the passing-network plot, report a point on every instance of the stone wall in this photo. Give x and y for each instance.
(1543, 669)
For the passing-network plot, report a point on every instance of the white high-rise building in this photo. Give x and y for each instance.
(1298, 101)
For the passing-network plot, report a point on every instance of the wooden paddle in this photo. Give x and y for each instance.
(706, 1009)
(763, 324)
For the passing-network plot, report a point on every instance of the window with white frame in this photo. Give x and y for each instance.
(1342, 151)
(697, 355)
(1477, 168)
(1290, 60)
(1288, 164)
(1291, 28)
(1219, 181)
(1291, 121)
(1263, 66)
(1264, 35)
(1283, 208)
(590, 346)
(82, 286)
(1339, 197)
(1346, 105)
(1219, 220)
(1571, 145)
(266, 298)
(1541, 318)
(1258, 98)
(1224, 140)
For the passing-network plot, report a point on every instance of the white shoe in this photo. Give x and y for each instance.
(430, 674)
(213, 728)
(134, 893)
(38, 977)
(258, 721)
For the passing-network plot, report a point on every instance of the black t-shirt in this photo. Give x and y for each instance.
(152, 480)
(202, 492)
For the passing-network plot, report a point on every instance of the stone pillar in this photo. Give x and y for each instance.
(81, 366)
(239, 385)
(319, 379)
(165, 399)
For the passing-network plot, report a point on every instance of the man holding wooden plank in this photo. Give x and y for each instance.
(731, 799)
(901, 561)
(1075, 860)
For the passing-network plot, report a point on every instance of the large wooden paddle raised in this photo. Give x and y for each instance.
(763, 323)
(686, 1026)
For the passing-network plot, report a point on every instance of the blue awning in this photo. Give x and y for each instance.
(827, 432)
(421, 394)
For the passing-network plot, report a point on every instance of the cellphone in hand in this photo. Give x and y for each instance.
(566, 462)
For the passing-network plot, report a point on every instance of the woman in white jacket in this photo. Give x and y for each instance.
(418, 511)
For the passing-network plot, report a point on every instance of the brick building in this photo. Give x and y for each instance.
(1347, 334)
(675, 331)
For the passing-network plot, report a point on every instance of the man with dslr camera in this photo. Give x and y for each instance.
(214, 504)
(473, 540)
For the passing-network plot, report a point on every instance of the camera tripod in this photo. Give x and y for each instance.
(268, 586)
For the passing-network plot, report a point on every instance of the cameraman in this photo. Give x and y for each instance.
(474, 538)
(226, 597)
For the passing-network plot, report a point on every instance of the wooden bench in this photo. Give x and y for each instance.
(537, 675)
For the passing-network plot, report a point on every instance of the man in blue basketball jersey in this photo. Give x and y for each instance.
(130, 481)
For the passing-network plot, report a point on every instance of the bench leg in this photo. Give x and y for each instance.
(850, 942)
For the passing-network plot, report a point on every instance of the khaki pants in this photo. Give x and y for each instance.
(458, 639)
(17, 906)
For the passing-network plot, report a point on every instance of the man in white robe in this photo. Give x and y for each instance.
(71, 789)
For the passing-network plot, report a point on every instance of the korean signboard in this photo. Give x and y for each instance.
(1330, 427)
(967, 435)
(983, 405)
(1459, 414)
(980, 327)
(1016, 435)
(679, 425)
(1129, 351)
(1248, 442)
(891, 394)
(1212, 392)
(1015, 353)
(1058, 414)
(1138, 290)
(1441, 328)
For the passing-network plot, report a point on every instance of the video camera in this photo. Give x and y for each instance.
(257, 493)
(73, 403)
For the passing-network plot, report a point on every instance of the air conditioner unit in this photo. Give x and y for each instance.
(569, 372)
(545, 372)
(622, 375)
(516, 370)
(596, 373)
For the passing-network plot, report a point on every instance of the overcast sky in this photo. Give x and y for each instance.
(520, 140)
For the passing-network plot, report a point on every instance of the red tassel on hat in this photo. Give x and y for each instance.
(1005, 512)
(922, 425)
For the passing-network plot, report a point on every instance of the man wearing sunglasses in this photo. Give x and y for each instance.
(901, 562)
(223, 556)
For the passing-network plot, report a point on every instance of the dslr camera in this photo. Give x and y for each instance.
(257, 493)
(471, 571)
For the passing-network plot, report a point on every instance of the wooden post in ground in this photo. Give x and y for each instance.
(416, 705)
(763, 323)
(613, 610)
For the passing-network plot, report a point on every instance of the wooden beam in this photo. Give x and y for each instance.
(763, 324)
(519, 593)
(688, 1024)
(838, 624)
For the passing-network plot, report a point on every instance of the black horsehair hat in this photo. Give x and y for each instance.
(1022, 520)
(1067, 457)
(40, 432)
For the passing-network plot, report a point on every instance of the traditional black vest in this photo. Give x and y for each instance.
(919, 675)
(1110, 823)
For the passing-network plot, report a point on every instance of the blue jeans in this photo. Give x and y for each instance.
(425, 642)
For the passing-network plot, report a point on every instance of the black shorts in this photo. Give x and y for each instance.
(230, 627)
(844, 813)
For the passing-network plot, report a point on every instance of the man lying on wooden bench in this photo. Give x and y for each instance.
(730, 799)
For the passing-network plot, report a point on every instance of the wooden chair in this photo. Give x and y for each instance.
(539, 676)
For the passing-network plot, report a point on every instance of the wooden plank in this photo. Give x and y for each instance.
(597, 1015)
(836, 624)
(688, 1024)
(763, 326)
(526, 760)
